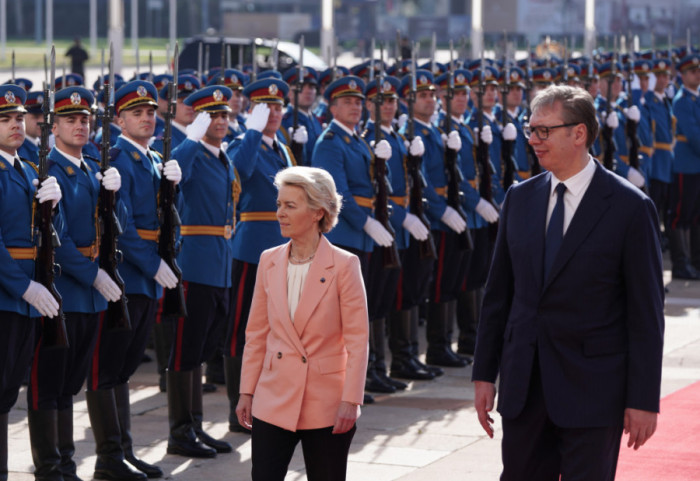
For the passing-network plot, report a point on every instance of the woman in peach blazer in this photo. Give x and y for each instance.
(305, 356)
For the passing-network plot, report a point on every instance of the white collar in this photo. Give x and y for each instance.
(139, 147)
(8, 157)
(423, 123)
(387, 130)
(179, 126)
(269, 141)
(578, 183)
(73, 160)
(350, 132)
(214, 150)
(33, 140)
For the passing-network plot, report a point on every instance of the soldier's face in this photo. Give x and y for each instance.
(184, 115)
(691, 78)
(139, 123)
(11, 132)
(387, 110)
(31, 124)
(71, 131)
(274, 120)
(460, 102)
(661, 82)
(594, 88)
(515, 96)
(425, 103)
(490, 96)
(236, 103)
(307, 96)
(218, 128)
(347, 110)
(644, 83)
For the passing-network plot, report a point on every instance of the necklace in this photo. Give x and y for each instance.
(300, 261)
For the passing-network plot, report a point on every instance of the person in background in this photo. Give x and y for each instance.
(78, 56)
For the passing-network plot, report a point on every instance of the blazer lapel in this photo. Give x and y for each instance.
(588, 213)
(318, 280)
(277, 277)
(540, 199)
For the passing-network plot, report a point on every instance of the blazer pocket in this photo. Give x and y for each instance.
(604, 346)
(331, 364)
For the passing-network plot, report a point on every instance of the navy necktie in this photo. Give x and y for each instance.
(555, 230)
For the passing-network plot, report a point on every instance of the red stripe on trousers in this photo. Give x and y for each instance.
(95, 374)
(239, 308)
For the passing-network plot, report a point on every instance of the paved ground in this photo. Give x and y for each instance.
(427, 432)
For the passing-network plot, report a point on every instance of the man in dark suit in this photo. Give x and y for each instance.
(572, 316)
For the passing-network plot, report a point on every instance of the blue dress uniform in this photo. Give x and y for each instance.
(306, 119)
(236, 81)
(659, 111)
(685, 189)
(17, 255)
(621, 162)
(186, 85)
(117, 354)
(160, 81)
(446, 269)
(322, 112)
(30, 147)
(519, 151)
(256, 164)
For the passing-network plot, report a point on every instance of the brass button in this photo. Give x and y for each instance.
(279, 355)
(303, 359)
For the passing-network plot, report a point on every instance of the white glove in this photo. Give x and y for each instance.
(111, 180)
(106, 286)
(632, 113)
(196, 130)
(49, 190)
(453, 220)
(382, 149)
(486, 210)
(41, 299)
(417, 148)
(257, 120)
(165, 276)
(454, 141)
(415, 227)
(300, 136)
(509, 132)
(377, 232)
(634, 176)
(171, 170)
(486, 134)
(403, 118)
(612, 121)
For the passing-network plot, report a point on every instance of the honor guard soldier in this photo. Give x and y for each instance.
(512, 103)
(236, 81)
(641, 70)
(118, 353)
(208, 190)
(22, 300)
(184, 114)
(305, 117)
(257, 156)
(58, 374)
(350, 160)
(407, 228)
(324, 79)
(479, 212)
(114, 129)
(446, 223)
(663, 127)
(34, 116)
(685, 188)
(160, 81)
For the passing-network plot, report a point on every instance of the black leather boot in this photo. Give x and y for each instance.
(373, 382)
(379, 328)
(104, 419)
(439, 351)
(232, 371)
(415, 323)
(3, 447)
(43, 435)
(121, 396)
(449, 330)
(182, 439)
(198, 415)
(163, 335)
(402, 359)
(66, 445)
(679, 244)
(468, 311)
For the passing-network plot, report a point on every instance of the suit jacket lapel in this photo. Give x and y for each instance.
(540, 200)
(318, 280)
(593, 204)
(278, 289)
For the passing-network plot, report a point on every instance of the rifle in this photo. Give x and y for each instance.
(482, 148)
(298, 149)
(382, 187)
(630, 126)
(532, 159)
(426, 248)
(254, 73)
(507, 165)
(12, 78)
(173, 299)
(452, 171)
(53, 331)
(116, 317)
(609, 147)
(222, 69)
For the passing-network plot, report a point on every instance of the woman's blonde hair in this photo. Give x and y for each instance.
(320, 192)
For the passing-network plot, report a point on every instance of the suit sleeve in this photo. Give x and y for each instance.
(256, 333)
(645, 299)
(355, 322)
(496, 306)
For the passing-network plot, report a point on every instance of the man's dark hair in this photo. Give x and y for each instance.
(577, 107)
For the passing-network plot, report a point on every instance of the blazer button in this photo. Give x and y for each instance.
(303, 359)
(279, 355)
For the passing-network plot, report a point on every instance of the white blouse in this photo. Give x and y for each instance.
(296, 275)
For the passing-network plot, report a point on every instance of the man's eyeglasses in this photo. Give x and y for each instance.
(541, 131)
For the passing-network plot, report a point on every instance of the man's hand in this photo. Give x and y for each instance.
(640, 425)
(484, 395)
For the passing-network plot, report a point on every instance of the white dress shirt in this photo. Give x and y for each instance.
(576, 187)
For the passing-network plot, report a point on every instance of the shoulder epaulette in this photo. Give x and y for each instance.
(94, 159)
(114, 153)
(329, 135)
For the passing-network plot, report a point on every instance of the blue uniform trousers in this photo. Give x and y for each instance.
(16, 347)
